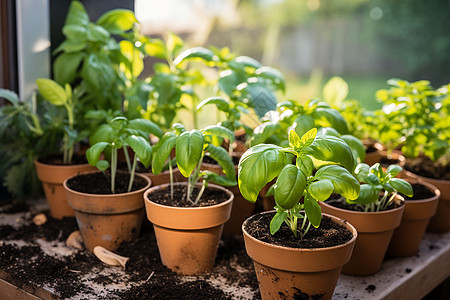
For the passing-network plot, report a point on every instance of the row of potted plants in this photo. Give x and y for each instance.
(306, 160)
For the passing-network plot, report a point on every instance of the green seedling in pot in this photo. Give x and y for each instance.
(191, 146)
(379, 187)
(122, 133)
(333, 162)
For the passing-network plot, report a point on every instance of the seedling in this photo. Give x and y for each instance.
(376, 183)
(191, 146)
(334, 161)
(117, 134)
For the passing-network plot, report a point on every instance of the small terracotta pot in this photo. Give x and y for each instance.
(164, 177)
(440, 223)
(108, 220)
(188, 237)
(375, 230)
(241, 210)
(284, 272)
(375, 156)
(416, 216)
(52, 178)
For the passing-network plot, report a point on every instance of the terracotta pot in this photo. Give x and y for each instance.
(164, 177)
(416, 216)
(284, 273)
(188, 237)
(440, 223)
(52, 178)
(395, 155)
(241, 210)
(108, 220)
(375, 230)
(375, 156)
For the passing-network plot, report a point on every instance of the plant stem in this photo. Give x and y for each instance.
(200, 193)
(293, 223)
(133, 169)
(127, 158)
(113, 169)
(171, 178)
(194, 178)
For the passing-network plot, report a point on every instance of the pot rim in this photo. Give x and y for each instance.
(37, 162)
(162, 186)
(429, 186)
(334, 218)
(423, 178)
(149, 182)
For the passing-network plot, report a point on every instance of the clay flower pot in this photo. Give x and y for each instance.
(375, 230)
(416, 216)
(52, 178)
(187, 237)
(374, 156)
(440, 223)
(285, 272)
(164, 177)
(110, 219)
(241, 210)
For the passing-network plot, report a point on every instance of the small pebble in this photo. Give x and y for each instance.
(40, 219)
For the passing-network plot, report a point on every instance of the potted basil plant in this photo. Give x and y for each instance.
(375, 213)
(188, 217)
(108, 204)
(279, 242)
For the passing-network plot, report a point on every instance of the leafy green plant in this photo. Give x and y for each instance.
(122, 133)
(331, 156)
(191, 146)
(409, 116)
(379, 187)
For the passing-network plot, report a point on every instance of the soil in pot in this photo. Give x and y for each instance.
(425, 167)
(209, 197)
(99, 183)
(298, 268)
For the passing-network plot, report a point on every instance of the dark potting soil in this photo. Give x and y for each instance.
(386, 161)
(208, 198)
(337, 201)
(77, 159)
(328, 234)
(425, 167)
(371, 148)
(420, 192)
(99, 183)
(27, 263)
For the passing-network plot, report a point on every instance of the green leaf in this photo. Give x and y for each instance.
(294, 140)
(156, 48)
(394, 170)
(245, 61)
(65, 67)
(220, 102)
(77, 14)
(261, 98)
(117, 21)
(402, 186)
(303, 124)
(357, 147)
(289, 187)
(361, 171)
(196, 52)
(189, 148)
(141, 148)
(220, 155)
(277, 221)
(145, 126)
(344, 183)
(321, 190)
(274, 75)
(217, 130)
(313, 211)
(164, 147)
(335, 91)
(263, 132)
(97, 33)
(331, 149)
(222, 180)
(98, 72)
(229, 80)
(94, 152)
(51, 91)
(102, 165)
(329, 117)
(308, 138)
(305, 163)
(174, 43)
(104, 133)
(328, 131)
(10, 96)
(75, 32)
(258, 166)
(367, 195)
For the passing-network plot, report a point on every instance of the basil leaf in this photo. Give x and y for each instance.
(289, 187)
(344, 183)
(189, 148)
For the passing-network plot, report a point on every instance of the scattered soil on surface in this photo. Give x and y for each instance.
(36, 256)
(328, 234)
(337, 201)
(425, 167)
(77, 159)
(420, 192)
(209, 197)
(99, 183)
